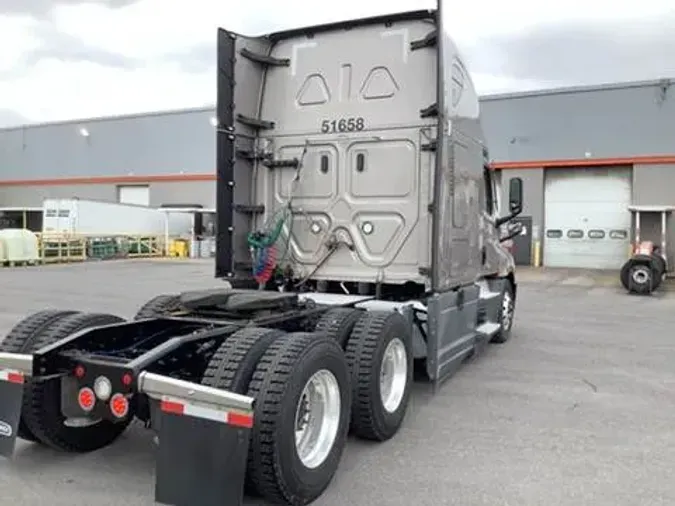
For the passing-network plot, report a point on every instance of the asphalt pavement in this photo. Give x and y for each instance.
(577, 409)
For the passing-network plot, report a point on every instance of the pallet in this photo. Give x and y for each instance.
(25, 263)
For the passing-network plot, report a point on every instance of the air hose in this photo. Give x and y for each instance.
(265, 264)
(263, 246)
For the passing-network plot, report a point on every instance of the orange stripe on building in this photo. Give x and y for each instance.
(163, 178)
(586, 162)
(178, 178)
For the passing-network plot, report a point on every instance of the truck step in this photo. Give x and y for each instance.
(488, 329)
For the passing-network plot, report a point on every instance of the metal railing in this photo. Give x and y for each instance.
(69, 248)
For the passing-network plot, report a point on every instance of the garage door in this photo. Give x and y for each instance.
(586, 217)
(136, 194)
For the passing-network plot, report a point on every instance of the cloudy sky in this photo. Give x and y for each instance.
(65, 59)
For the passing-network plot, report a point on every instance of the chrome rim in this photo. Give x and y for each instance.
(507, 311)
(393, 375)
(317, 418)
(640, 276)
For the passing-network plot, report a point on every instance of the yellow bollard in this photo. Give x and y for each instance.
(537, 254)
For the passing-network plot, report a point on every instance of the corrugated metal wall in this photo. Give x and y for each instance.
(168, 143)
(636, 120)
(611, 122)
(183, 192)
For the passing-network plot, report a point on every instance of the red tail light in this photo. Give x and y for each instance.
(119, 405)
(127, 379)
(86, 399)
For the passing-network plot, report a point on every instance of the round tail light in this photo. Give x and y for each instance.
(86, 399)
(119, 405)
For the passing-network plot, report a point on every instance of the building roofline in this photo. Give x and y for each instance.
(563, 90)
(483, 98)
(115, 117)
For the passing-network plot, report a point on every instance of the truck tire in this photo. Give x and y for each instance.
(623, 275)
(232, 366)
(659, 264)
(380, 358)
(281, 468)
(158, 306)
(658, 270)
(641, 279)
(338, 323)
(20, 340)
(506, 314)
(42, 400)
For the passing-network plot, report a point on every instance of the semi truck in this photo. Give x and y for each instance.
(358, 233)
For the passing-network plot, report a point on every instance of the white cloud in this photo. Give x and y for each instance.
(15, 40)
(153, 27)
(85, 89)
(150, 29)
(147, 29)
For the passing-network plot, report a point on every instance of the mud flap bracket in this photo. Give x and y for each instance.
(203, 442)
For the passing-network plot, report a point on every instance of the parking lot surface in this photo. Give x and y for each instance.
(577, 409)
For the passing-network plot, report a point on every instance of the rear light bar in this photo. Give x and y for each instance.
(178, 407)
(181, 475)
(200, 402)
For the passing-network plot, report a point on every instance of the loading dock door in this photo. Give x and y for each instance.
(134, 194)
(587, 221)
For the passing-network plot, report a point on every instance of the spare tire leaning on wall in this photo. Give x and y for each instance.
(645, 270)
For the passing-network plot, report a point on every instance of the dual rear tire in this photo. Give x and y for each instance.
(378, 349)
(41, 418)
(379, 354)
(300, 382)
(311, 389)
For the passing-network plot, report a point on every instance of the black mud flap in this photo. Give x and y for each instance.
(201, 460)
(11, 398)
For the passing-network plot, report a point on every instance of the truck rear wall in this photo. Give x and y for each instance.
(353, 98)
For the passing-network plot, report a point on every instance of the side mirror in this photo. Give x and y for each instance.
(515, 201)
(515, 196)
